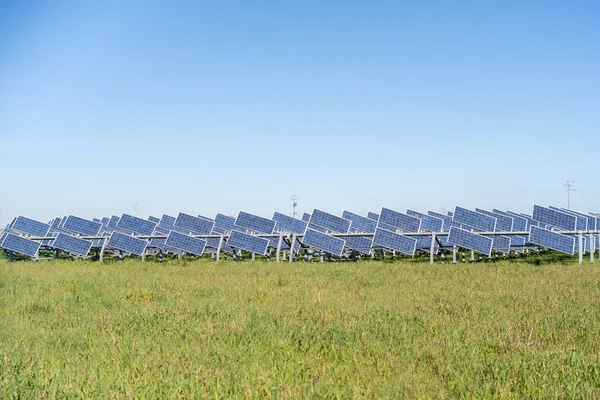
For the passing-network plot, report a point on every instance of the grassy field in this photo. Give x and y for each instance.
(336, 330)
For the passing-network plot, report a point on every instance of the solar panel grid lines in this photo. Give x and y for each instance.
(112, 222)
(72, 244)
(424, 243)
(474, 219)
(581, 222)
(55, 223)
(189, 244)
(501, 244)
(248, 242)
(154, 219)
(519, 223)
(289, 224)
(360, 223)
(394, 241)
(317, 228)
(517, 243)
(20, 245)
(331, 222)
(193, 224)
(306, 217)
(126, 243)
(136, 224)
(589, 219)
(429, 223)
(552, 240)
(324, 242)
(225, 222)
(554, 218)
(387, 227)
(401, 221)
(469, 240)
(361, 244)
(82, 226)
(373, 216)
(30, 226)
(254, 223)
(446, 218)
(104, 222)
(503, 223)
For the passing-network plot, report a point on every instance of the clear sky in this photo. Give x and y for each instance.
(218, 106)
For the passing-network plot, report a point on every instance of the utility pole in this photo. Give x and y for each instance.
(294, 200)
(569, 186)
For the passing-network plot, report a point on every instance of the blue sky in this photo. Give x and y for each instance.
(208, 107)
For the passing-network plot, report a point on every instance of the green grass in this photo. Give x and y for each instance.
(335, 330)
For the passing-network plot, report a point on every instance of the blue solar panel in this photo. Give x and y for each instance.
(135, 224)
(323, 242)
(474, 219)
(306, 217)
(387, 227)
(360, 223)
(186, 243)
(519, 223)
(446, 218)
(501, 244)
(373, 216)
(104, 222)
(404, 222)
(581, 222)
(517, 243)
(72, 244)
(247, 242)
(55, 223)
(193, 224)
(112, 223)
(317, 228)
(394, 241)
(552, 240)
(167, 222)
(225, 222)
(359, 243)
(20, 245)
(330, 222)
(554, 218)
(30, 226)
(428, 223)
(424, 243)
(470, 240)
(153, 219)
(289, 224)
(126, 243)
(82, 226)
(254, 223)
(503, 223)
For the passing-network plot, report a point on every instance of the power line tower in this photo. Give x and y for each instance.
(294, 200)
(569, 186)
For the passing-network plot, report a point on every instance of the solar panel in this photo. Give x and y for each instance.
(360, 223)
(373, 216)
(519, 223)
(554, 218)
(552, 240)
(112, 223)
(503, 223)
(55, 223)
(317, 228)
(225, 222)
(323, 242)
(186, 243)
(428, 223)
(517, 243)
(247, 242)
(306, 217)
(104, 222)
(82, 226)
(126, 243)
(501, 244)
(446, 218)
(394, 241)
(72, 244)
(289, 224)
(30, 226)
(470, 240)
(424, 243)
(167, 222)
(404, 222)
(20, 245)
(359, 243)
(387, 227)
(474, 219)
(193, 224)
(254, 223)
(135, 224)
(153, 219)
(581, 222)
(329, 221)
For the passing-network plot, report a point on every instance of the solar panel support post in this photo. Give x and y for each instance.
(253, 257)
(432, 248)
(581, 249)
(292, 243)
(101, 256)
(472, 256)
(279, 242)
(592, 248)
(219, 247)
(144, 256)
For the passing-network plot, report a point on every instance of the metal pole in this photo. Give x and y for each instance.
(454, 254)
(253, 256)
(432, 248)
(219, 247)
(592, 248)
(292, 243)
(101, 258)
(278, 247)
(581, 249)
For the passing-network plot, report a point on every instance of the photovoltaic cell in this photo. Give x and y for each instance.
(323, 242)
(306, 217)
(359, 223)
(470, 240)
(72, 244)
(82, 226)
(373, 216)
(330, 222)
(55, 223)
(428, 223)
(317, 228)
(554, 218)
(404, 222)
(30, 226)
(424, 243)
(289, 224)
(186, 243)
(446, 218)
(584, 222)
(501, 244)
(474, 219)
(519, 223)
(20, 245)
(394, 241)
(126, 243)
(137, 225)
(153, 219)
(225, 222)
(112, 223)
(387, 227)
(247, 242)
(193, 224)
(503, 223)
(552, 240)
(359, 243)
(254, 223)
(517, 243)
